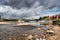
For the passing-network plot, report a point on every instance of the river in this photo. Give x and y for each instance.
(6, 29)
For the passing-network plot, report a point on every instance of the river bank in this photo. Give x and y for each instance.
(20, 23)
(5, 22)
(18, 32)
(57, 33)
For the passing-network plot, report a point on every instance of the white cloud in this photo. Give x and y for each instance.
(20, 13)
(35, 13)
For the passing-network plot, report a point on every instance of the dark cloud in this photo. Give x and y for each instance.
(28, 3)
(27, 8)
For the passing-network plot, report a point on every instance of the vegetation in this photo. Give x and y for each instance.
(46, 18)
(57, 22)
(43, 18)
(0, 17)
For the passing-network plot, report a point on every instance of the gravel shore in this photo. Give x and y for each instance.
(57, 33)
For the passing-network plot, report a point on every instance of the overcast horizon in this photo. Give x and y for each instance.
(29, 9)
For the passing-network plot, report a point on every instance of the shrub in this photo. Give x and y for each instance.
(57, 22)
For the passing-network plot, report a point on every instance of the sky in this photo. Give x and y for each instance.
(28, 9)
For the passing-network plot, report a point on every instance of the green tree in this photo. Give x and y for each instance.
(0, 17)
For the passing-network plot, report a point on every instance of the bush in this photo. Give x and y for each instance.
(57, 22)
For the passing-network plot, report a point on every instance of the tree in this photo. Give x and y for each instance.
(43, 18)
(0, 17)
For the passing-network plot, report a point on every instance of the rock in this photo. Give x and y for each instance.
(44, 39)
(50, 31)
(38, 29)
(36, 35)
(40, 38)
(37, 39)
(30, 37)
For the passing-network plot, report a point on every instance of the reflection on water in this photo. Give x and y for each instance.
(22, 29)
(28, 29)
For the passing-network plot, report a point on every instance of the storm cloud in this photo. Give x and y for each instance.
(28, 8)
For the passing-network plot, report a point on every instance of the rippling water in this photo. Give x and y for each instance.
(10, 30)
(22, 29)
